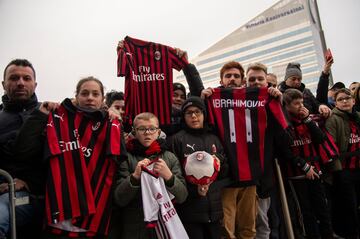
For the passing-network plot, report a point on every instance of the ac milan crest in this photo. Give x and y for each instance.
(157, 55)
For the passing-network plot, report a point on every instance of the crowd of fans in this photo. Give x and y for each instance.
(319, 155)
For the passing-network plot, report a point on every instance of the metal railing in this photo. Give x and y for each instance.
(12, 199)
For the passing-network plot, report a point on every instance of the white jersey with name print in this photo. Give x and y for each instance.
(158, 208)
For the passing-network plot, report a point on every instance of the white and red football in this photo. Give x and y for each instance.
(201, 168)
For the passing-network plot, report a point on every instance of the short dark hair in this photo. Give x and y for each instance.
(20, 62)
(232, 64)
(343, 90)
(290, 95)
(86, 79)
(112, 96)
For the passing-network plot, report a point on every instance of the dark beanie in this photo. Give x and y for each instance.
(179, 86)
(193, 101)
(293, 69)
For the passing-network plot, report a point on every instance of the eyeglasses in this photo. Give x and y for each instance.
(190, 113)
(340, 99)
(143, 130)
(229, 75)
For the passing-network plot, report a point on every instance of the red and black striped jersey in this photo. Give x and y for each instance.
(316, 154)
(240, 116)
(148, 70)
(327, 149)
(353, 162)
(82, 149)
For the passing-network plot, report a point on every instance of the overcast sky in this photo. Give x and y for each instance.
(70, 39)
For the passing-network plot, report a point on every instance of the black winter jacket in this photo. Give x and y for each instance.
(12, 117)
(310, 102)
(196, 208)
(322, 90)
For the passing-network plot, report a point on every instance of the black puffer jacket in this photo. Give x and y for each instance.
(322, 89)
(310, 102)
(197, 208)
(12, 117)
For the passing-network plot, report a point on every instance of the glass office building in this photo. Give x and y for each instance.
(289, 31)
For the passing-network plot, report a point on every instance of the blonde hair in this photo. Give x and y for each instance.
(257, 66)
(145, 116)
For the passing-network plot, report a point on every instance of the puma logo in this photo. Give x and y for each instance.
(189, 146)
(50, 124)
(116, 125)
(59, 117)
(96, 126)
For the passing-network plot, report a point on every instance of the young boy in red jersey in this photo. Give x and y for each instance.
(307, 138)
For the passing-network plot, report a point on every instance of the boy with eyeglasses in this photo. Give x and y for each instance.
(145, 149)
(344, 126)
(202, 211)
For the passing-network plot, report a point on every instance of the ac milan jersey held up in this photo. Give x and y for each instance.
(147, 68)
(82, 149)
(240, 116)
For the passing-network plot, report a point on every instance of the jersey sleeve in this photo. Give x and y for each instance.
(276, 110)
(122, 62)
(210, 108)
(177, 62)
(52, 146)
(115, 141)
(114, 137)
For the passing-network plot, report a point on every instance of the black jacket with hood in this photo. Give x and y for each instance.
(310, 102)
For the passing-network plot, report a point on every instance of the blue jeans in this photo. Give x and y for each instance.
(25, 214)
(262, 220)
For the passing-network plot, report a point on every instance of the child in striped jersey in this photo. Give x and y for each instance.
(307, 137)
(82, 149)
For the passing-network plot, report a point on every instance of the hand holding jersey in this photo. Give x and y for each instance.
(162, 169)
(140, 164)
(311, 174)
(46, 107)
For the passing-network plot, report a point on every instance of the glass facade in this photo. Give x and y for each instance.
(286, 32)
